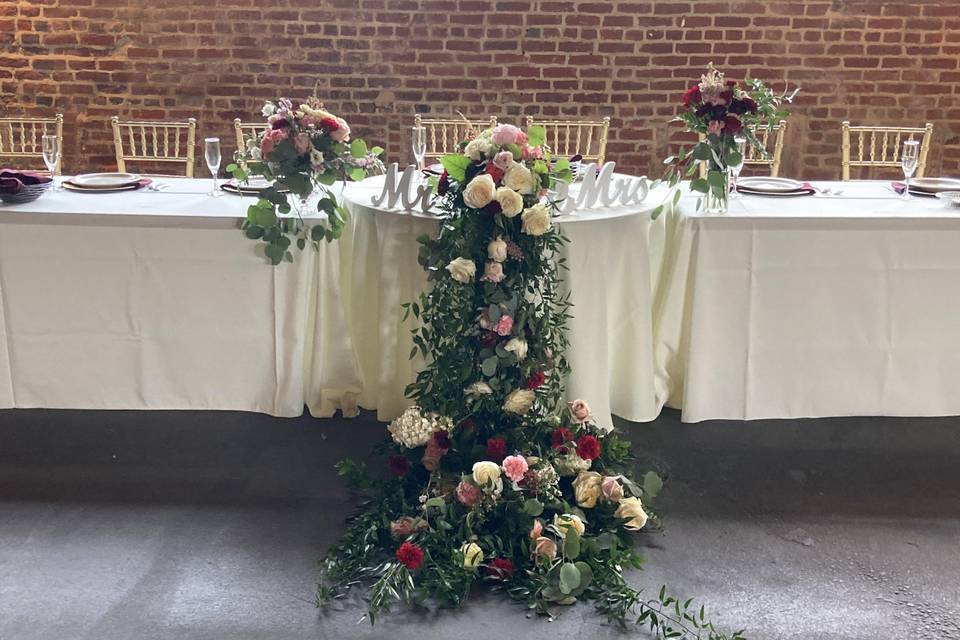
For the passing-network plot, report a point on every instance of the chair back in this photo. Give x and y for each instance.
(868, 146)
(444, 134)
(154, 141)
(566, 138)
(23, 138)
(245, 131)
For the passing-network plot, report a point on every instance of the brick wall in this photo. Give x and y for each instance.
(379, 61)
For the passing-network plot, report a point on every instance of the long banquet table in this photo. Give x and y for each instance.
(153, 300)
(812, 306)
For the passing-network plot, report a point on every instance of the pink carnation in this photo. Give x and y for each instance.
(504, 326)
(505, 134)
(270, 139)
(515, 467)
(468, 494)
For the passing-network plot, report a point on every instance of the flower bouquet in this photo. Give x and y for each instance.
(726, 116)
(493, 477)
(302, 151)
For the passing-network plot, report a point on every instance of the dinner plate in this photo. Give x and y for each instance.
(254, 188)
(777, 194)
(768, 184)
(104, 180)
(935, 185)
(70, 186)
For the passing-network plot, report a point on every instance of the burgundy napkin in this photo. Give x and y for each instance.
(12, 181)
(899, 187)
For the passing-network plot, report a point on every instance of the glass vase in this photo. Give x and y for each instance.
(714, 204)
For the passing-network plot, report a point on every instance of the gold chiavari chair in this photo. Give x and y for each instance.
(23, 138)
(881, 146)
(154, 141)
(245, 130)
(566, 138)
(755, 157)
(444, 134)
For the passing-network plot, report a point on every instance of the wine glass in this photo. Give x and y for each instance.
(419, 145)
(911, 153)
(211, 152)
(51, 156)
(735, 169)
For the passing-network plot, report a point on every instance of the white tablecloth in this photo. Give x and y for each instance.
(614, 258)
(154, 300)
(814, 306)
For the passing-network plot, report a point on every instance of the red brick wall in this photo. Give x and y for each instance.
(378, 61)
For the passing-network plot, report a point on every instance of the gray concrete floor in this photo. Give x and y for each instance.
(163, 525)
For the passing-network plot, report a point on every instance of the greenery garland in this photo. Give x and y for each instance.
(493, 477)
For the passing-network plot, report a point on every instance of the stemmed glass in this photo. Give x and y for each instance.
(51, 156)
(211, 152)
(735, 169)
(911, 153)
(419, 145)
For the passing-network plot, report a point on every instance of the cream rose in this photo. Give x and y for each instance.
(519, 401)
(632, 508)
(571, 464)
(497, 248)
(519, 178)
(478, 148)
(536, 220)
(518, 346)
(480, 191)
(612, 489)
(472, 555)
(568, 520)
(486, 472)
(462, 270)
(511, 202)
(586, 488)
(479, 389)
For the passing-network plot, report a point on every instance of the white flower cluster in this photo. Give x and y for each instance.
(413, 428)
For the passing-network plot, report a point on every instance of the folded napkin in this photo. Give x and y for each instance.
(25, 178)
(900, 187)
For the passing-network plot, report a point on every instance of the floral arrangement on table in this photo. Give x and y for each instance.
(493, 478)
(303, 150)
(722, 111)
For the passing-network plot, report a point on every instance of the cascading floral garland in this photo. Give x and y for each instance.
(493, 477)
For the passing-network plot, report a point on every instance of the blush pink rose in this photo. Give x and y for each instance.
(515, 467)
(468, 494)
(493, 272)
(537, 529)
(270, 139)
(505, 134)
(343, 133)
(580, 410)
(503, 159)
(504, 326)
(302, 143)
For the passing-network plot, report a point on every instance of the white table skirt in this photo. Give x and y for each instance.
(809, 307)
(146, 300)
(614, 258)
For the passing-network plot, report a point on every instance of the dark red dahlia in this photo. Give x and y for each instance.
(444, 184)
(692, 96)
(560, 437)
(536, 380)
(588, 447)
(496, 449)
(398, 465)
(501, 569)
(410, 556)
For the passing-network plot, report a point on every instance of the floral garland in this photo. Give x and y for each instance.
(302, 150)
(494, 478)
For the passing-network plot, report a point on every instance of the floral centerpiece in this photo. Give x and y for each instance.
(302, 151)
(723, 113)
(493, 477)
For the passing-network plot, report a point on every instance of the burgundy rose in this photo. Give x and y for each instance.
(493, 208)
(398, 465)
(330, 124)
(536, 380)
(560, 437)
(692, 96)
(495, 172)
(488, 339)
(442, 438)
(749, 104)
(732, 125)
(444, 184)
(496, 449)
(588, 447)
(501, 569)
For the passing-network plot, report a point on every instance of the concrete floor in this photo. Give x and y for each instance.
(163, 525)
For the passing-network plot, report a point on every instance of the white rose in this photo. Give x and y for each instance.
(462, 270)
(519, 178)
(480, 191)
(536, 220)
(478, 148)
(511, 202)
(567, 520)
(518, 346)
(632, 508)
(586, 488)
(479, 389)
(472, 555)
(519, 401)
(486, 472)
(268, 110)
(497, 249)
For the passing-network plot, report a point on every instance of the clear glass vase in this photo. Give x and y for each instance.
(714, 204)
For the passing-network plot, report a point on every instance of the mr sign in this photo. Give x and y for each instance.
(601, 186)
(394, 191)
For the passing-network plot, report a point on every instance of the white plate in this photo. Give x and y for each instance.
(769, 185)
(934, 185)
(105, 180)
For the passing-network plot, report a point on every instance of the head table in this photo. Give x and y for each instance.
(828, 305)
